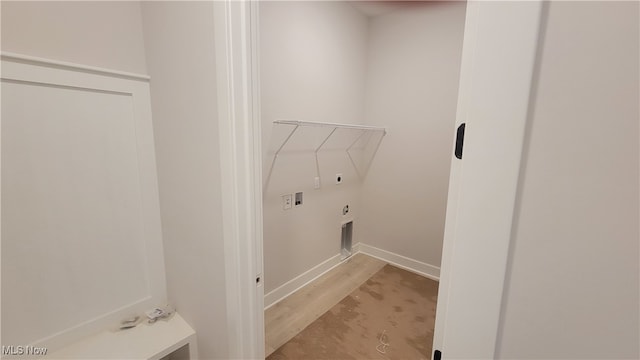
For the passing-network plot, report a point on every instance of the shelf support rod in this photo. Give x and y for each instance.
(373, 155)
(286, 140)
(354, 165)
(317, 123)
(275, 156)
(357, 139)
(318, 149)
(349, 154)
(325, 139)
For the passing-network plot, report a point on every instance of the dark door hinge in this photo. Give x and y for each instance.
(437, 355)
(459, 141)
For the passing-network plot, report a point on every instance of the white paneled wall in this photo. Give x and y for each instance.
(178, 42)
(81, 238)
(72, 177)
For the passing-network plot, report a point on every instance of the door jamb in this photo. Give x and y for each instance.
(236, 44)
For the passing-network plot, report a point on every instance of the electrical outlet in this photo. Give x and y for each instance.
(287, 201)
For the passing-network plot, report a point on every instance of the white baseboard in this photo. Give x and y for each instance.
(299, 281)
(303, 279)
(403, 262)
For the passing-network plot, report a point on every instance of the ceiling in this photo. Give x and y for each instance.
(375, 8)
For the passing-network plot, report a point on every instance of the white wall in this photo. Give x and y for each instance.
(79, 195)
(103, 34)
(572, 282)
(312, 68)
(83, 33)
(328, 62)
(412, 85)
(179, 41)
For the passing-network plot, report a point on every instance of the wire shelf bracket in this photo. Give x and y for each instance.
(296, 124)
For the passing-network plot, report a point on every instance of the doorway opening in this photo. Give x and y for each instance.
(379, 85)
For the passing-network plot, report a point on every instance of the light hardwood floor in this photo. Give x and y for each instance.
(288, 317)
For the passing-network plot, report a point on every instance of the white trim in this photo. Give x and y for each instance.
(141, 342)
(355, 248)
(1, 197)
(427, 270)
(300, 281)
(240, 161)
(346, 221)
(70, 66)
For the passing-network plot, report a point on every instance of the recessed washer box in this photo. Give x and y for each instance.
(345, 239)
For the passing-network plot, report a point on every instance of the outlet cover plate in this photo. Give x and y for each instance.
(287, 201)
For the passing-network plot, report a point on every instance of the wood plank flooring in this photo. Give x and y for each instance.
(288, 317)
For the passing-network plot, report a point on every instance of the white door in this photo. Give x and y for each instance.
(499, 52)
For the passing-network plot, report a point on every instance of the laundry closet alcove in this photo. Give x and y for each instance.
(392, 72)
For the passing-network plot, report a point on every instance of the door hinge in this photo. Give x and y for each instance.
(459, 140)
